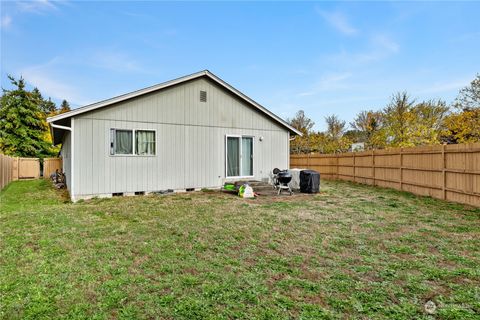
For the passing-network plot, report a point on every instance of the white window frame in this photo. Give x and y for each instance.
(135, 143)
(134, 154)
(241, 156)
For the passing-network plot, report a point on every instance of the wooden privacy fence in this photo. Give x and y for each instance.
(6, 170)
(28, 168)
(50, 165)
(12, 168)
(449, 172)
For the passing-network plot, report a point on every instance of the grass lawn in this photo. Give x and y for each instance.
(352, 251)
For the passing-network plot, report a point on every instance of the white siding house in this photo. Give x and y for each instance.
(193, 132)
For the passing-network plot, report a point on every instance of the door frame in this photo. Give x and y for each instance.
(241, 155)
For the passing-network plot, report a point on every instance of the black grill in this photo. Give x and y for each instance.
(281, 180)
(284, 177)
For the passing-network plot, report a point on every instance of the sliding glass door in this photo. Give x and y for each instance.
(247, 157)
(239, 162)
(233, 156)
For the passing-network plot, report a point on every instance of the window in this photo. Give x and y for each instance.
(122, 142)
(145, 142)
(132, 142)
(233, 156)
(239, 162)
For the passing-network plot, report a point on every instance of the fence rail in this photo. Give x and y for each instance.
(449, 172)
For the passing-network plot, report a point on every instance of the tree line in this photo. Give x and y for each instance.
(404, 122)
(24, 131)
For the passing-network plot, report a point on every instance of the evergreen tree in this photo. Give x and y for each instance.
(22, 122)
(48, 107)
(64, 107)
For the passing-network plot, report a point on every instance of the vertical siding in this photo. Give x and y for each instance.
(66, 158)
(190, 139)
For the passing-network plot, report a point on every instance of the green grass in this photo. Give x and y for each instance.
(351, 251)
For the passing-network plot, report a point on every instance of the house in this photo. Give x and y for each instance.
(189, 133)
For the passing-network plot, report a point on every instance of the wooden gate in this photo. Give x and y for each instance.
(28, 168)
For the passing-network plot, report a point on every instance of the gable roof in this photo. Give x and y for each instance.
(204, 73)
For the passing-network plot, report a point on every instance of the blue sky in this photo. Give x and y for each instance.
(322, 57)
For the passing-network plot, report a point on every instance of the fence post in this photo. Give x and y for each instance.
(336, 167)
(373, 166)
(401, 168)
(15, 166)
(444, 173)
(2, 171)
(353, 166)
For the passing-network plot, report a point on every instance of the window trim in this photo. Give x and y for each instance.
(114, 136)
(134, 154)
(154, 143)
(241, 155)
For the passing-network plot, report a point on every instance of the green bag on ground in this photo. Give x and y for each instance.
(246, 191)
(229, 187)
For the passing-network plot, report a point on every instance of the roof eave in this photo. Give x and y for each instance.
(123, 97)
(167, 84)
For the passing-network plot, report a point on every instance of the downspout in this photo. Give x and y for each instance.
(60, 127)
(72, 139)
(53, 125)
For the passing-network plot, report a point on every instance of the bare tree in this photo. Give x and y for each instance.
(398, 117)
(469, 97)
(368, 125)
(301, 122)
(335, 127)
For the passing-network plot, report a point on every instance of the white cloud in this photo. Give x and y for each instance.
(53, 88)
(6, 21)
(339, 21)
(115, 61)
(440, 87)
(37, 6)
(381, 47)
(350, 100)
(55, 77)
(328, 82)
(31, 7)
(386, 43)
(47, 79)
